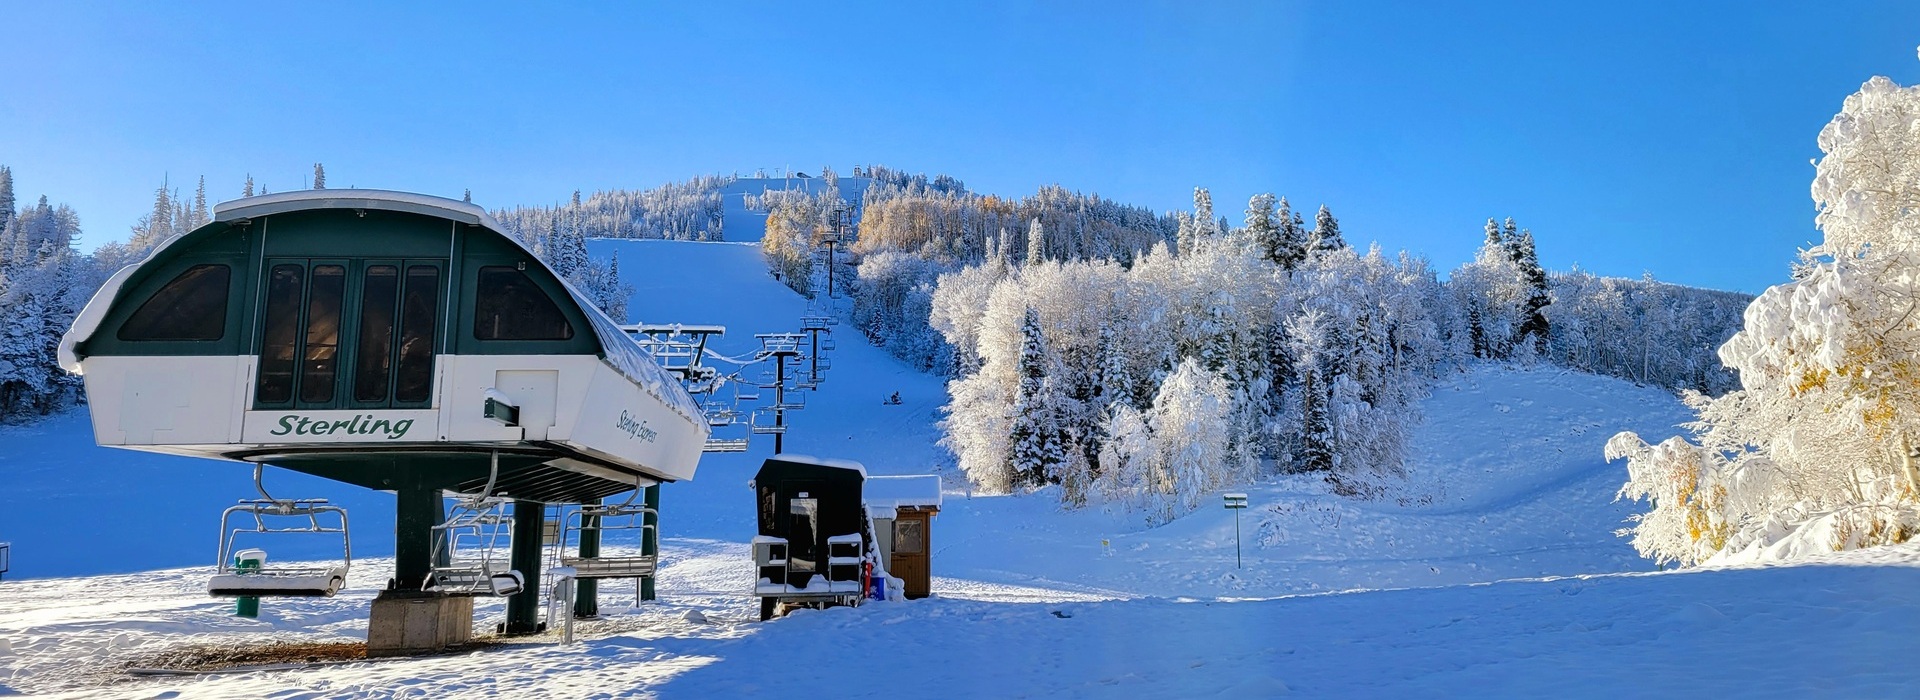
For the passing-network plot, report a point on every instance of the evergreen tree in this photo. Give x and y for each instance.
(1036, 243)
(1262, 232)
(1293, 236)
(319, 176)
(6, 196)
(248, 191)
(1494, 238)
(1534, 325)
(1326, 232)
(466, 195)
(200, 214)
(1035, 445)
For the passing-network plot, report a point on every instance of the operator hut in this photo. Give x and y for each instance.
(902, 510)
(394, 341)
(813, 548)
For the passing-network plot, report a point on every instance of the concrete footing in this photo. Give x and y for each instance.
(412, 622)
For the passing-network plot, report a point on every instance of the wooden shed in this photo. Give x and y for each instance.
(902, 510)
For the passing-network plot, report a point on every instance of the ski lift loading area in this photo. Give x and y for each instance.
(393, 341)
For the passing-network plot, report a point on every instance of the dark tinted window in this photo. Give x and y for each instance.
(418, 309)
(378, 295)
(281, 333)
(512, 307)
(323, 333)
(191, 307)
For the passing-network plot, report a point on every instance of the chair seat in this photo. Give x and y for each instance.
(282, 582)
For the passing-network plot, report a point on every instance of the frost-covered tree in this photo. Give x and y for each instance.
(1816, 450)
(1260, 229)
(1036, 243)
(319, 176)
(6, 197)
(1326, 232)
(1188, 454)
(1494, 292)
(247, 191)
(1037, 447)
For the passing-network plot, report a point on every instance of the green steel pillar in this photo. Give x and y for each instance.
(529, 526)
(246, 605)
(586, 599)
(650, 544)
(418, 509)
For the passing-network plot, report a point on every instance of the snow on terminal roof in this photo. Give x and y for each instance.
(619, 350)
(918, 490)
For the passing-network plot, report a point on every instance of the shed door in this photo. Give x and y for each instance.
(339, 333)
(910, 552)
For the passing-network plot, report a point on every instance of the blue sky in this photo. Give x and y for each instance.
(1671, 138)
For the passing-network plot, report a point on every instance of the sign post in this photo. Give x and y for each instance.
(1236, 502)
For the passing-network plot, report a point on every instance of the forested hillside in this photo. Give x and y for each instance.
(1147, 359)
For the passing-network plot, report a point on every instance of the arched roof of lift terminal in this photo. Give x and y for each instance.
(619, 349)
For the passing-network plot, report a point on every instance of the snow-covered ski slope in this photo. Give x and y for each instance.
(745, 225)
(1494, 571)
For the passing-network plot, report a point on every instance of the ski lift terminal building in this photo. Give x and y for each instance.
(394, 341)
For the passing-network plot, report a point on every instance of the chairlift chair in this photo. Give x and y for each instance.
(469, 543)
(725, 445)
(618, 520)
(763, 422)
(273, 517)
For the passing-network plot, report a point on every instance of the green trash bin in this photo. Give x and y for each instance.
(248, 561)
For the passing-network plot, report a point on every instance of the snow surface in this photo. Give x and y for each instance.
(1493, 570)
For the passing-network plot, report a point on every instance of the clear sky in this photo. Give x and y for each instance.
(1664, 137)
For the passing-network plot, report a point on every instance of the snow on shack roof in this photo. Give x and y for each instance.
(823, 462)
(917, 491)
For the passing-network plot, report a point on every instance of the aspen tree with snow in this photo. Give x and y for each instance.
(1188, 456)
(1815, 450)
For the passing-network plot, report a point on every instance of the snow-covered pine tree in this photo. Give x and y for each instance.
(1534, 327)
(248, 190)
(1293, 229)
(319, 176)
(466, 195)
(1035, 449)
(1036, 243)
(1326, 232)
(1262, 232)
(6, 197)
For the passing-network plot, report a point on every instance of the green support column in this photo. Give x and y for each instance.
(586, 599)
(417, 511)
(650, 544)
(529, 525)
